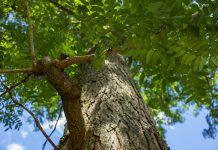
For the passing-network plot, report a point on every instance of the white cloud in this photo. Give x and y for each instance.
(60, 125)
(23, 134)
(15, 146)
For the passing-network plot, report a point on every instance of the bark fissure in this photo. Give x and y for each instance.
(147, 140)
(159, 142)
(118, 139)
(107, 112)
(98, 145)
(116, 111)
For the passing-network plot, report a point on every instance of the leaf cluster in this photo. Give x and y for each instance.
(171, 46)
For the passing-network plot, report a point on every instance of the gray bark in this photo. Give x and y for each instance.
(115, 115)
(108, 113)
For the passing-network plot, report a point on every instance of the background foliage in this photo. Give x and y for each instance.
(171, 47)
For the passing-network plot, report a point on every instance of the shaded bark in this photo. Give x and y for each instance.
(115, 115)
(107, 113)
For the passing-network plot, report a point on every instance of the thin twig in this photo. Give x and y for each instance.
(55, 2)
(11, 71)
(36, 121)
(7, 90)
(59, 116)
(31, 43)
(33, 115)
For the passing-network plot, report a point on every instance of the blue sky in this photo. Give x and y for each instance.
(188, 135)
(185, 136)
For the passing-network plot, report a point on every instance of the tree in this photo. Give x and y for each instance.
(170, 47)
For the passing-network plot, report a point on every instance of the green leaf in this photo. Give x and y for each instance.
(197, 63)
(78, 2)
(177, 5)
(216, 13)
(163, 59)
(189, 99)
(149, 56)
(189, 60)
(172, 63)
(142, 77)
(215, 60)
(185, 58)
(99, 61)
(202, 63)
(180, 53)
(156, 57)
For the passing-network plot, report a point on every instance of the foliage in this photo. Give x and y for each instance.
(171, 46)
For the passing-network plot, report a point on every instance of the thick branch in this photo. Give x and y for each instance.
(59, 64)
(55, 2)
(31, 43)
(10, 71)
(70, 93)
(74, 60)
(17, 84)
(79, 59)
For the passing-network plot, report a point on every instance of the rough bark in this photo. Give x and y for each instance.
(115, 115)
(112, 116)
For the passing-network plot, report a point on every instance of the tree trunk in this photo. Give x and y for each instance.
(115, 115)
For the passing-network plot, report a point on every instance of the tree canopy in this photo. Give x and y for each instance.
(171, 47)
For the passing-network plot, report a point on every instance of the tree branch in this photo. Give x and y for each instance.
(31, 43)
(61, 64)
(55, 2)
(17, 84)
(10, 71)
(33, 115)
(74, 60)
(59, 116)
